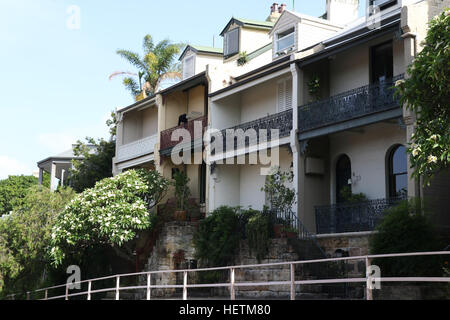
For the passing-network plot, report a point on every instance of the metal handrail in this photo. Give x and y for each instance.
(232, 284)
(305, 234)
(294, 221)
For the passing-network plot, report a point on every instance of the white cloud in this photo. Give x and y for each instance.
(10, 166)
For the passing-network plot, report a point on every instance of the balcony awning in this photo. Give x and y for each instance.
(198, 79)
(352, 39)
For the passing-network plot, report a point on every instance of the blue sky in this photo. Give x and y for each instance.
(54, 86)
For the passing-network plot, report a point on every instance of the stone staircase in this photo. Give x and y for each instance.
(176, 237)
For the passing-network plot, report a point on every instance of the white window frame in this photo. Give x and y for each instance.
(226, 52)
(277, 40)
(186, 75)
(385, 6)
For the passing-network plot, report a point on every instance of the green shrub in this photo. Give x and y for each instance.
(258, 235)
(406, 229)
(25, 235)
(349, 197)
(111, 213)
(182, 192)
(217, 238)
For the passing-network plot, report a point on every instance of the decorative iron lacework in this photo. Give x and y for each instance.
(281, 121)
(349, 105)
(352, 217)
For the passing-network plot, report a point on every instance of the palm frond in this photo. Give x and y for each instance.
(132, 86)
(133, 58)
(147, 44)
(173, 75)
(158, 64)
(120, 73)
(170, 75)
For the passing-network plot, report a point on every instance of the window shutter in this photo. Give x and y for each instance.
(188, 67)
(281, 96)
(231, 42)
(284, 99)
(288, 93)
(225, 44)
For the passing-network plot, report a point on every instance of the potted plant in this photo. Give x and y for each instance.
(290, 232)
(194, 211)
(281, 198)
(182, 194)
(314, 88)
(278, 228)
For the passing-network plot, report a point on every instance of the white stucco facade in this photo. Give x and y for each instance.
(368, 151)
(238, 94)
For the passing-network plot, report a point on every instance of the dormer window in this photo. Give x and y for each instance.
(285, 41)
(188, 67)
(382, 4)
(231, 43)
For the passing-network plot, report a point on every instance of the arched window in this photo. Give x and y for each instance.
(343, 176)
(398, 172)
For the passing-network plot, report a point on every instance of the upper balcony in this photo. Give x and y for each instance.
(137, 134)
(281, 121)
(136, 148)
(167, 143)
(358, 107)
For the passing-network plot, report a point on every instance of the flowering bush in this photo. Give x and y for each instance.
(25, 235)
(110, 213)
(427, 93)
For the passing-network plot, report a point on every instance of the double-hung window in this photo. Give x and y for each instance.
(382, 4)
(285, 40)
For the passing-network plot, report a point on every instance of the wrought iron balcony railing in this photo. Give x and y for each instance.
(166, 135)
(352, 217)
(349, 105)
(281, 121)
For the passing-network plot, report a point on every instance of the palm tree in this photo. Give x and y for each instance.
(157, 64)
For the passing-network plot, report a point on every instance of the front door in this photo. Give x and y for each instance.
(382, 63)
(343, 176)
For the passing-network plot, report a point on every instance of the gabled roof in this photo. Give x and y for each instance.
(300, 16)
(67, 155)
(351, 37)
(201, 49)
(248, 23)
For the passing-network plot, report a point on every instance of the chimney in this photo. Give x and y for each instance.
(282, 8)
(342, 12)
(274, 13)
(275, 7)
